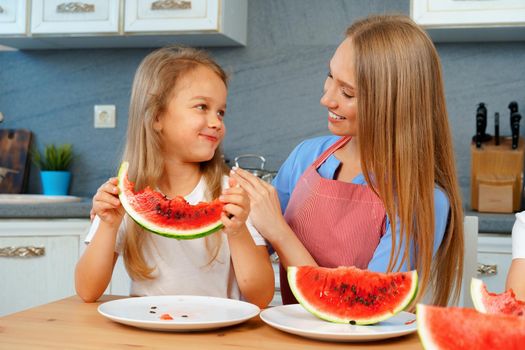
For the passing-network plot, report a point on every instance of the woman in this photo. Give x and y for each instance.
(382, 193)
(516, 274)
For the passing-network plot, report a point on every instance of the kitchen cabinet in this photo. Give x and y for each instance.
(62, 17)
(56, 24)
(494, 258)
(37, 260)
(12, 17)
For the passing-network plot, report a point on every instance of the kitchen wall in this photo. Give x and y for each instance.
(274, 94)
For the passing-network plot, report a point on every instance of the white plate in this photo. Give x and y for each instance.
(35, 198)
(189, 313)
(296, 320)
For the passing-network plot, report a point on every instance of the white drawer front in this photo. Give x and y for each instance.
(72, 17)
(12, 17)
(171, 15)
(30, 281)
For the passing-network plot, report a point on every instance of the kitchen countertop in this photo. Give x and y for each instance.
(73, 324)
(488, 222)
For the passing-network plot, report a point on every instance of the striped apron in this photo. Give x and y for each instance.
(339, 223)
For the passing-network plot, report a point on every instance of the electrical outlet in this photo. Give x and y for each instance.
(105, 116)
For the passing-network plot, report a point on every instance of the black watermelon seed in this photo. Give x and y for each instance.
(184, 316)
(152, 312)
(352, 322)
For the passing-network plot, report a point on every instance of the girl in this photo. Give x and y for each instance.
(175, 127)
(516, 274)
(382, 193)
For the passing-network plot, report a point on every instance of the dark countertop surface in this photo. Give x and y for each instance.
(47, 210)
(488, 222)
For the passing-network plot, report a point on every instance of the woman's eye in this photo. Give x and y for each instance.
(329, 75)
(345, 94)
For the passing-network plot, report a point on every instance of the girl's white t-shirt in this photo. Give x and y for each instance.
(182, 266)
(518, 237)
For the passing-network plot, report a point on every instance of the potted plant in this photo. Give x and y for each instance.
(54, 168)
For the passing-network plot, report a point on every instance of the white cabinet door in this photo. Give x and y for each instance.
(73, 17)
(171, 15)
(37, 261)
(494, 257)
(12, 17)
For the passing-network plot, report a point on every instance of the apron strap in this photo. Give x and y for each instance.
(338, 144)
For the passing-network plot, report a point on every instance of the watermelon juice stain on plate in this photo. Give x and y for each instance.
(188, 313)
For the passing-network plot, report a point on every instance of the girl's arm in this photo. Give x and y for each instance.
(95, 267)
(251, 263)
(268, 219)
(253, 268)
(516, 274)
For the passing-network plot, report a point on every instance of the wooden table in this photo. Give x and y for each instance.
(73, 324)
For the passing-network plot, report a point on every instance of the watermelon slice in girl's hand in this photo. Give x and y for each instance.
(173, 218)
(493, 303)
(351, 295)
(457, 328)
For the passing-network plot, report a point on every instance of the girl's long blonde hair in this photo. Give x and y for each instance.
(406, 145)
(152, 89)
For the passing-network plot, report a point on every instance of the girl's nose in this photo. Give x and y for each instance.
(214, 120)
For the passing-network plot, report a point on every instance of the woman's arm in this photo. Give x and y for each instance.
(268, 219)
(253, 268)
(381, 257)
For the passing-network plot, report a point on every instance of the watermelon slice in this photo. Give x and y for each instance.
(351, 295)
(173, 218)
(493, 303)
(461, 328)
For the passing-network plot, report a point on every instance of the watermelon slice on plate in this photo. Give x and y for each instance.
(457, 328)
(493, 303)
(173, 218)
(351, 295)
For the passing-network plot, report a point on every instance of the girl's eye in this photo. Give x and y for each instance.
(202, 107)
(221, 114)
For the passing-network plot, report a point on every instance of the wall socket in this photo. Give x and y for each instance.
(105, 116)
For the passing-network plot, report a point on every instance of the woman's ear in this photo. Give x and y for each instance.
(157, 125)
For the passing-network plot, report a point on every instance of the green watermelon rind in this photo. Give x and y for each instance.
(291, 273)
(476, 293)
(162, 231)
(422, 329)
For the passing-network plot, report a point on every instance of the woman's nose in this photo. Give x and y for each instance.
(328, 100)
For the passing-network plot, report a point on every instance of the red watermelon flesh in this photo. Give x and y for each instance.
(457, 328)
(174, 218)
(351, 295)
(493, 303)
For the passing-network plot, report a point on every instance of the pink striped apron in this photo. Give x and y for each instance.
(339, 223)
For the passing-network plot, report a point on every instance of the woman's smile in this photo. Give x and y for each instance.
(334, 117)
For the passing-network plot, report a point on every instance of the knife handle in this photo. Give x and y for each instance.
(496, 128)
(515, 127)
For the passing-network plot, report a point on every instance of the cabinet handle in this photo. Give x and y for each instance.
(22, 252)
(171, 5)
(75, 7)
(487, 269)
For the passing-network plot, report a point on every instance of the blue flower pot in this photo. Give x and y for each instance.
(55, 183)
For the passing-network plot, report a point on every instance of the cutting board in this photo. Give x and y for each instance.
(14, 160)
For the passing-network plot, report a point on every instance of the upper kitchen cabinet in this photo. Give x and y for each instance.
(63, 17)
(12, 17)
(128, 23)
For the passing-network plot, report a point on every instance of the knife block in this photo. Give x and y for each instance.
(497, 176)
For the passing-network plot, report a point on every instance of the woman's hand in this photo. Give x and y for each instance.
(236, 209)
(106, 203)
(265, 206)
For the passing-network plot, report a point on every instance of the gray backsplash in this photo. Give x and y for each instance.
(274, 93)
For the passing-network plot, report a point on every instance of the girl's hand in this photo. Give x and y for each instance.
(106, 203)
(264, 202)
(236, 209)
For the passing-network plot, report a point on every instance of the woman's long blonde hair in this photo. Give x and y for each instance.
(152, 89)
(406, 145)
